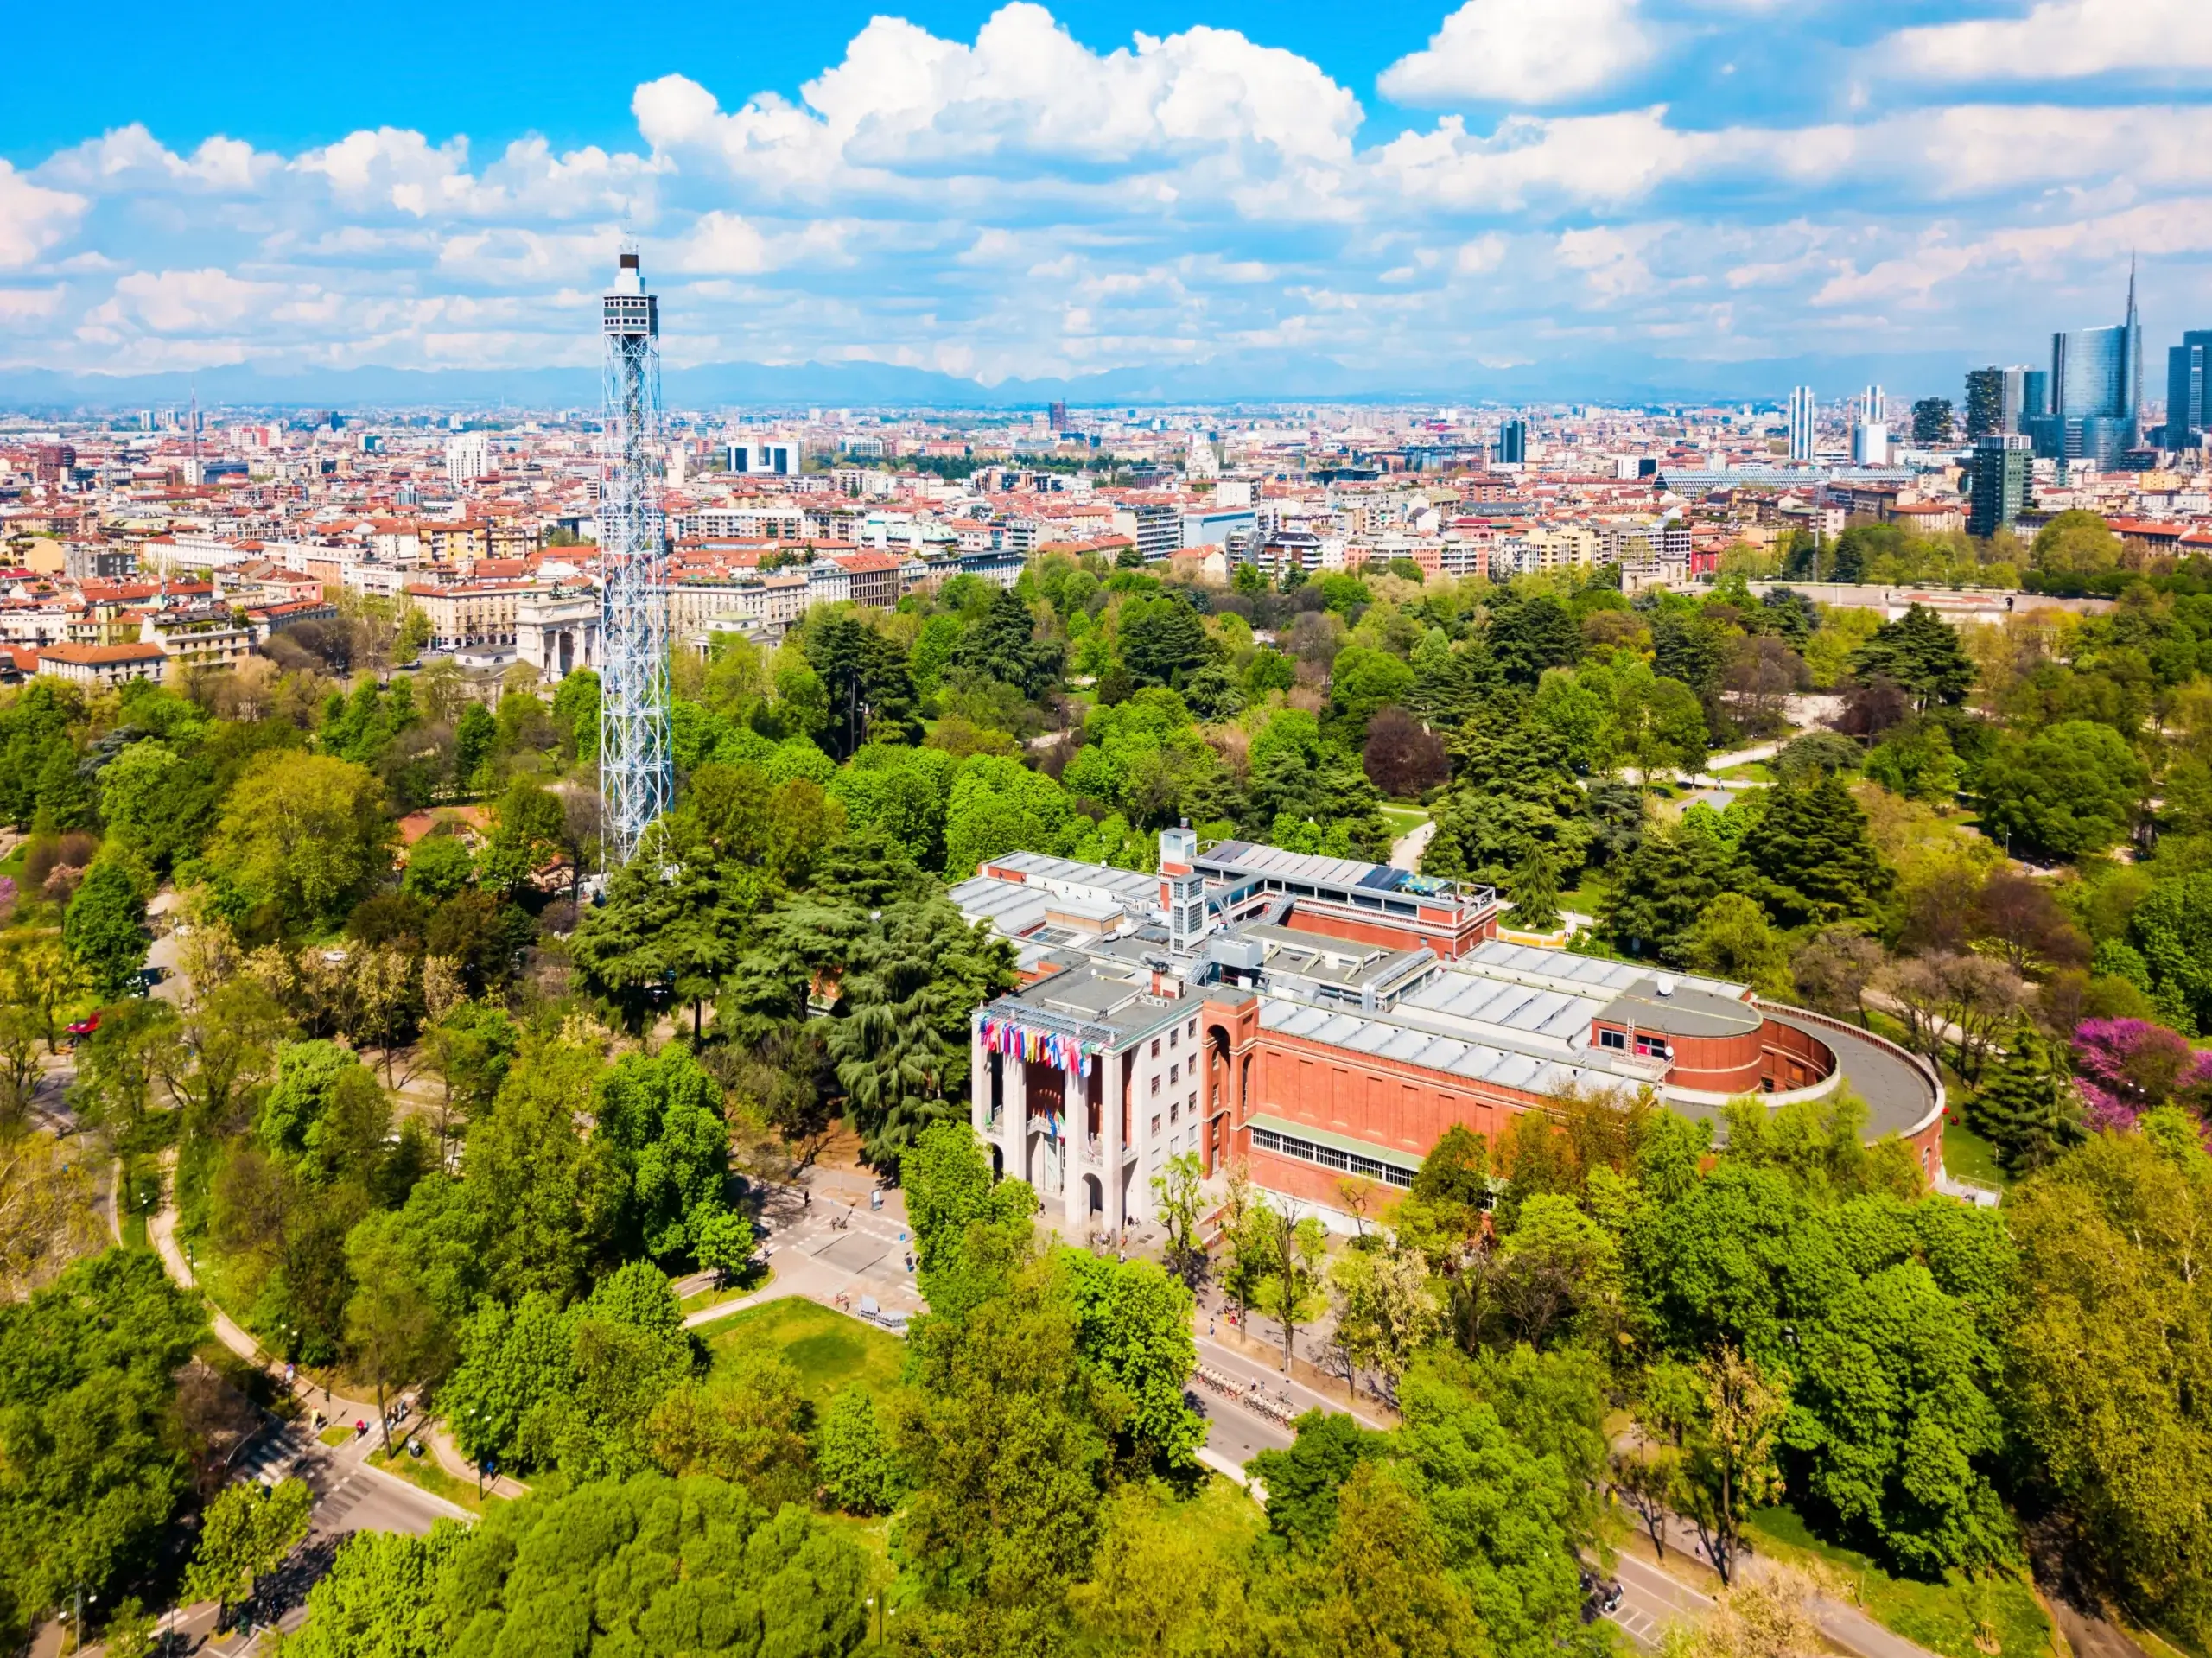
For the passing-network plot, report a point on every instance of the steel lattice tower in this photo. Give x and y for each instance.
(635, 777)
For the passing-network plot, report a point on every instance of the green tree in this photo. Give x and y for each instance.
(864, 690)
(2109, 1328)
(1294, 1254)
(1731, 1468)
(1003, 645)
(516, 1366)
(158, 806)
(1133, 1329)
(652, 1566)
(473, 735)
(854, 1455)
(1386, 1310)
(528, 1162)
(246, 1533)
(91, 1473)
(1160, 639)
(2026, 1105)
(393, 1324)
(747, 1425)
(1179, 1201)
(1006, 1457)
(1527, 636)
(1921, 653)
(2075, 546)
(900, 1042)
(307, 833)
(105, 927)
(724, 1242)
(663, 1115)
(438, 867)
(1815, 858)
(1732, 939)
(2065, 791)
(1534, 891)
(1361, 682)
(1894, 1417)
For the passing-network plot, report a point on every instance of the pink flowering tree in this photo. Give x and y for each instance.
(2125, 1067)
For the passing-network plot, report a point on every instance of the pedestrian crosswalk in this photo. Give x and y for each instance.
(340, 1501)
(271, 1460)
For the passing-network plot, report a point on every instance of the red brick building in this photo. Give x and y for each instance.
(1314, 1017)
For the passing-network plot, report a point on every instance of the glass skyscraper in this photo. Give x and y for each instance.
(2096, 390)
(2188, 390)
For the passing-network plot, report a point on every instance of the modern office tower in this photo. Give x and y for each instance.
(2096, 392)
(1056, 416)
(1512, 443)
(1802, 410)
(636, 779)
(2188, 390)
(2002, 461)
(1872, 407)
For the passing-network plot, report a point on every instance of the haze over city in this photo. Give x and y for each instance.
(1593, 197)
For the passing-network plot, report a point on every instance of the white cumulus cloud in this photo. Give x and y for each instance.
(1524, 52)
(33, 218)
(2059, 40)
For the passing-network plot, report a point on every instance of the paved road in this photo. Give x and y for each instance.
(814, 1255)
(1651, 1601)
(1406, 850)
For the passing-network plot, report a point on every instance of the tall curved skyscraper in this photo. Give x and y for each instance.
(2096, 392)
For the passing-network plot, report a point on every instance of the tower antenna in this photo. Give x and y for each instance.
(636, 779)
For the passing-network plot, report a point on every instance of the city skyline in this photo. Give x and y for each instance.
(1479, 193)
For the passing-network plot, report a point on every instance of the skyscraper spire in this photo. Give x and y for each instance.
(2131, 402)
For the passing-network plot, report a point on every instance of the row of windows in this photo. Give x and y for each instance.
(1265, 1140)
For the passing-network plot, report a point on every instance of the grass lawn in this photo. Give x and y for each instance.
(424, 1473)
(1403, 820)
(1584, 899)
(1944, 1617)
(829, 1349)
(1967, 1156)
(1756, 771)
(336, 1434)
(757, 1278)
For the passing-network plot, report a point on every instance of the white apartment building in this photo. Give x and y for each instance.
(469, 458)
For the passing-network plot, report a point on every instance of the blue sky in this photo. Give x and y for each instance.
(1014, 190)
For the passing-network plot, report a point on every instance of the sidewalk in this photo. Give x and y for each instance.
(161, 1231)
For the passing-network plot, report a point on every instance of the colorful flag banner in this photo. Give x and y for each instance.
(1049, 1047)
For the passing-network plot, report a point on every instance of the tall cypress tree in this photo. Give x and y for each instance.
(1812, 855)
(2026, 1107)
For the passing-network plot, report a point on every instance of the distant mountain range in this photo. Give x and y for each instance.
(1243, 378)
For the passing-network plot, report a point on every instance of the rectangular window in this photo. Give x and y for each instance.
(1155, 1047)
(1155, 1084)
(1194, 1030)
(1171, 1038)
(1155, 1127)
(1617, 1039)
(1329, 1157)
(1174, 1073)
(1653, 1047)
